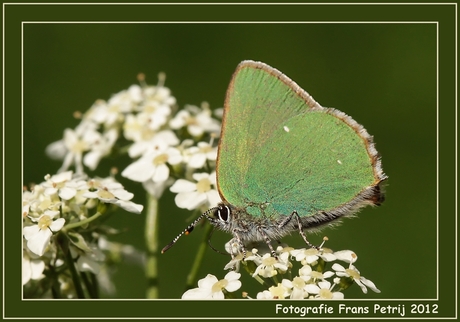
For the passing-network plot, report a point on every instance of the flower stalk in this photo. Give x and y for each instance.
(151, 238)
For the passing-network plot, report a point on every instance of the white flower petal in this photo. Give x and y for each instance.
(197, 294)
(312, 288)
(161, 173)
(189, 200)
(338, 268)
(213, 198)
(139, 171)
(90, 195)
(38, 243)
(122, 194)
(57, 224)
(231, 276)
(67, 193)
(30, 231)
(26, 270)
(207, 282)
(37, 267)
(130, 206)
(218, 295)
(346, 256)
(233, 285)
(370, 284)
(197, 161)
(182, 185)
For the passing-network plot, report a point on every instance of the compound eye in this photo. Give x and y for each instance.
(223, 213)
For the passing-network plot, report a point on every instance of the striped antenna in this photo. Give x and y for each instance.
(188, 230)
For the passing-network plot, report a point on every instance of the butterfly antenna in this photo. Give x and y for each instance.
(188, 230)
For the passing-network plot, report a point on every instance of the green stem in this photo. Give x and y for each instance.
(192, 276)
(77, 282)
(151, 239)
(81, 223)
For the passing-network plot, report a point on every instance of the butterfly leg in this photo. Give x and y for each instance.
(268, 242)
(295, 215)
(240, 242)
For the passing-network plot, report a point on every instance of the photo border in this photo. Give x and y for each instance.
(16, 15)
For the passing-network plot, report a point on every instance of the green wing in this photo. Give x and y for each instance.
(281, 151)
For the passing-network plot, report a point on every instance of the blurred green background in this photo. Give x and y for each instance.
(383, 75)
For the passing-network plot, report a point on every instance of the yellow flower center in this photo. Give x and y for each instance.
(354, 274)
(191, 120)
(44, 222)
(311, 252)
(269, 261)
(105, 194)
(79, 146)
(206, 149)
(204, 185)
(277, 291)
(298, 282)
(325, 293)
(219, 286)
(316, 274)
(160, 159)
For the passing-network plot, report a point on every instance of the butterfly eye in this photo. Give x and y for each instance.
(223, 213)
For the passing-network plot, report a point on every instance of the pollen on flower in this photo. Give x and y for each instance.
(219, 286)
(44, 222)
(269, 261)
(105, 194)
(203, 185)
(160, 159)
(79, 146)
(325, 294)
(354, 274)
(317, 275)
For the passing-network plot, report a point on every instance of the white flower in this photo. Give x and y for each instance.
(74, 144)
(56, 182)
(38, 202)
(269, 265)
(297, 287)
(274, 292)
(122, 103)
(63, 185)
(323, 291)
(346, 256)
(153, 165)
(109, 191)
(197, 120)
(157, 143)
(192, 195)
(32, 267)
(308, 274)
(100, 148)
(135, 128)
(156, 108)
(29, 199)
(210, 288)
(197, 155)
(160, 94)
(311, 255)
(355, 275)
(38, 236)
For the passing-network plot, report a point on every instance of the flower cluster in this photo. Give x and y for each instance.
(59, 216)
(282, 278)
(165, 143)
(168, 147)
